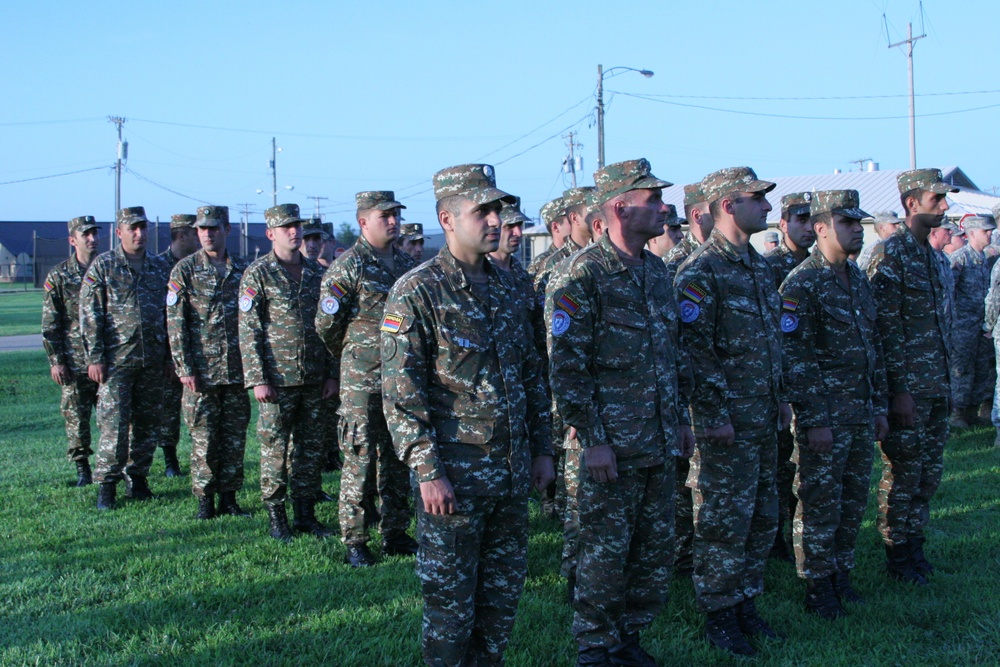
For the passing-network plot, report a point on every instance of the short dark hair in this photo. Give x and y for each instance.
(579, 209)
(450, 204)
(826, 218)
(715, 208)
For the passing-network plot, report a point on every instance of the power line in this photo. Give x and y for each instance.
(50, 122)
(836, 97)
(163, 187)
(526, 134)
(67, 173)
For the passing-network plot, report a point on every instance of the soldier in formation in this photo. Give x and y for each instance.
(553, 215)
(885, 224)
(672, 235)
(411, 241)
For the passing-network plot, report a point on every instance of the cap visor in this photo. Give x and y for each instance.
(798, 209)
(760, 186)
(388, 205)
(855, 213)
(650, 183)
(207, 223)
(486, 195)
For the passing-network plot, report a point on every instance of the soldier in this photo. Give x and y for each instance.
(466, 403)
(326, 255)
(553, 215)
(312, 239)
(770, 241)
(991, 316)
(729, 313)
(289, 370)
(411, 241)
(956, 238)
(202, 322)
(910, 296)
(972, 363)
(124, 336)
(183, 242)
(886, 223)
(700, 226)
(835, 379)
(512, 222)
(61, 338)
(355, 288)
(671, 236)
(617, 378)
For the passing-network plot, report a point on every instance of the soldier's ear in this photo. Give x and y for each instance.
(446, 219)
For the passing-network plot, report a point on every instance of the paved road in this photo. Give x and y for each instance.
(13, 343)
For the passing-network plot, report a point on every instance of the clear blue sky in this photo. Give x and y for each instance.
(380, 95)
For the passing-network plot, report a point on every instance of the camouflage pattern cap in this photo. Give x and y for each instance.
(978, 222)
(886, 218)
(795, 203)
(770, 237)
(212, 216)
(952, 228)
(843, 202)
(181, 220)
(382, 200)
(133, 215)
(923, 179)
(474, 181)
(414, 231)
(693, 194)
(313, 227)
(511, 214)
(996, 212)
(672, 219)
(726, 181)
(576, 196)
(621, 177)
(81, 224)
(593, 205)
(328, 230)
(283, 215)
(551, 211)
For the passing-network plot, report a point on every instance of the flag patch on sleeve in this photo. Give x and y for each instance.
(392, 323)
(567, 303)
(49, 286)
(89, 279)
(789, 304)
(694, 292)
(250, 292)
(174, 286)
(337, 290)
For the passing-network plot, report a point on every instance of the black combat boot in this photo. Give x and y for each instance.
(821, 599)
(899, 567)
(629, 653)
(918, 561)
(722, 630)
(138, 488)
(843, 590)
(751, 624)
(399, 545)
(228, 505)
(106, 495)
(206, 507)
(593, 656)
(83, 474)
(359, 555)
(279, 529)
(305, 518)
(172, 467)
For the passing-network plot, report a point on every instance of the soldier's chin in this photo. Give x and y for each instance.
(928, 219)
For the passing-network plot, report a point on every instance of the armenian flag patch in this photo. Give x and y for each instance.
(89, 279)
(337, 290)
(694, 292)
(567, 303)
(250, 292)
(392, 323)
(174, 286)
(789, 304)
(49, 286)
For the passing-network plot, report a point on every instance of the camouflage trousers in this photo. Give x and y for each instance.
(683, 517)
(79, 397)
(973, 366)
(217, 418)
(471, 566)
(170, 414)
(735, 506)
(832, 492)
(913, 462)
(995, 413)
(291, 450)
(572, 470)
(625, 553)
(785, 481)
(370, 464)
(128, 415)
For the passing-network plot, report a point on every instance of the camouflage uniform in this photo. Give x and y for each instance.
(909, 288)
(280, 347)
(354, 291)
(992, 315)
(61, 338)
(550, 211)
(122, 325)
(202, 321)
(616, 377)
(465, 398)
(835, 378)
(729, 313)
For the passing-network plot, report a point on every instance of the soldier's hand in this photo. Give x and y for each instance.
(820, 439)
(438, 496)
(98, 373)
(265, 393)
(601, 463)
(881, 428)
(542, 472)
(190, 382)
(723, 436)
(571, 434)
(685, 441)
(60, 374)
(330, 388)
(902, 410)
(784, 416)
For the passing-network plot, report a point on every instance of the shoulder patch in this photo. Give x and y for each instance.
(329, 305)
(789, 322)
(689, 311)
(250, 292)
(49, 286)
(174, 286)
(391, 323)
(694, 292)
(89, 279)
(337, 290)
(560, 322)
(789, 304)
(171, 298)
(246, 303)
(567, 303)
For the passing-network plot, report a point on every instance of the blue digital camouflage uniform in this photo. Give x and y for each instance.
(972, 363)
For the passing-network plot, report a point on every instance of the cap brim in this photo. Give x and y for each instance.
(797, 209)
(486, 195)
(650, 183)
(289, 223)
(759, 186)
(942, 188)
(855, 213)
(208, 223)
(86, 228)
(387, 205)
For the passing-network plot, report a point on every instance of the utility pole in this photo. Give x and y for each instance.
(246, 229)
(571, 165)
(122, 151)
(318, 200)
(861, 162)
(600, 117)
(274, 172)
(909, 41)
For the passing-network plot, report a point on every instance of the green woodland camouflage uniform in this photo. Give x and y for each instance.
(729, 313)
(122, 325)
(61, 338)
(972, 363)
(355, 288)
(549, 212)
(280, 348)
(465, 398)
(202, 321)
(909, 294)
(834, 377)
(618, 378)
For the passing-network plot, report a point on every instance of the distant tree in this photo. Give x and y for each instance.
(346, 236)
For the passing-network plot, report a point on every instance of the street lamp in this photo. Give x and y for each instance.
(274, 194)
(601, 73)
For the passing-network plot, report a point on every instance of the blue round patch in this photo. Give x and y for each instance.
(789, 323)
(689, 311)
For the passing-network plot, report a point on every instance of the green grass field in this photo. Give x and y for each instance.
(20, 313)
(149, 585)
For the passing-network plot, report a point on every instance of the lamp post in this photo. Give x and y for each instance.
(601, 73)
(274, 193)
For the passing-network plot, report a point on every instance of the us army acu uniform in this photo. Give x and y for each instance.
(834, 378)
(280, 348)
(910, 294)
(61, 338)
(202, 321)
(170, 415)
(992, 314)
(549, 213)
(122, 326)
(352, 305)
(729, 312)
(465, 398)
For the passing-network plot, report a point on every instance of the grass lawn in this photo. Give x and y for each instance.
(21, 313)
(149, 585)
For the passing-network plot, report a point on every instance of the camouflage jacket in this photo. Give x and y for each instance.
(993, 303)
(729, 327)
(676, 255)
(169, 257)
(539, 261)
(615, 364)
(278, 339)
(203, 319)
(971, 279)
(463, 390)
(782, 261)
(833, 368)
(61, 316)
(910, 296)
(545, 274)
(122, 313)
(865, 257)
(352, 303)
(533, 302)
